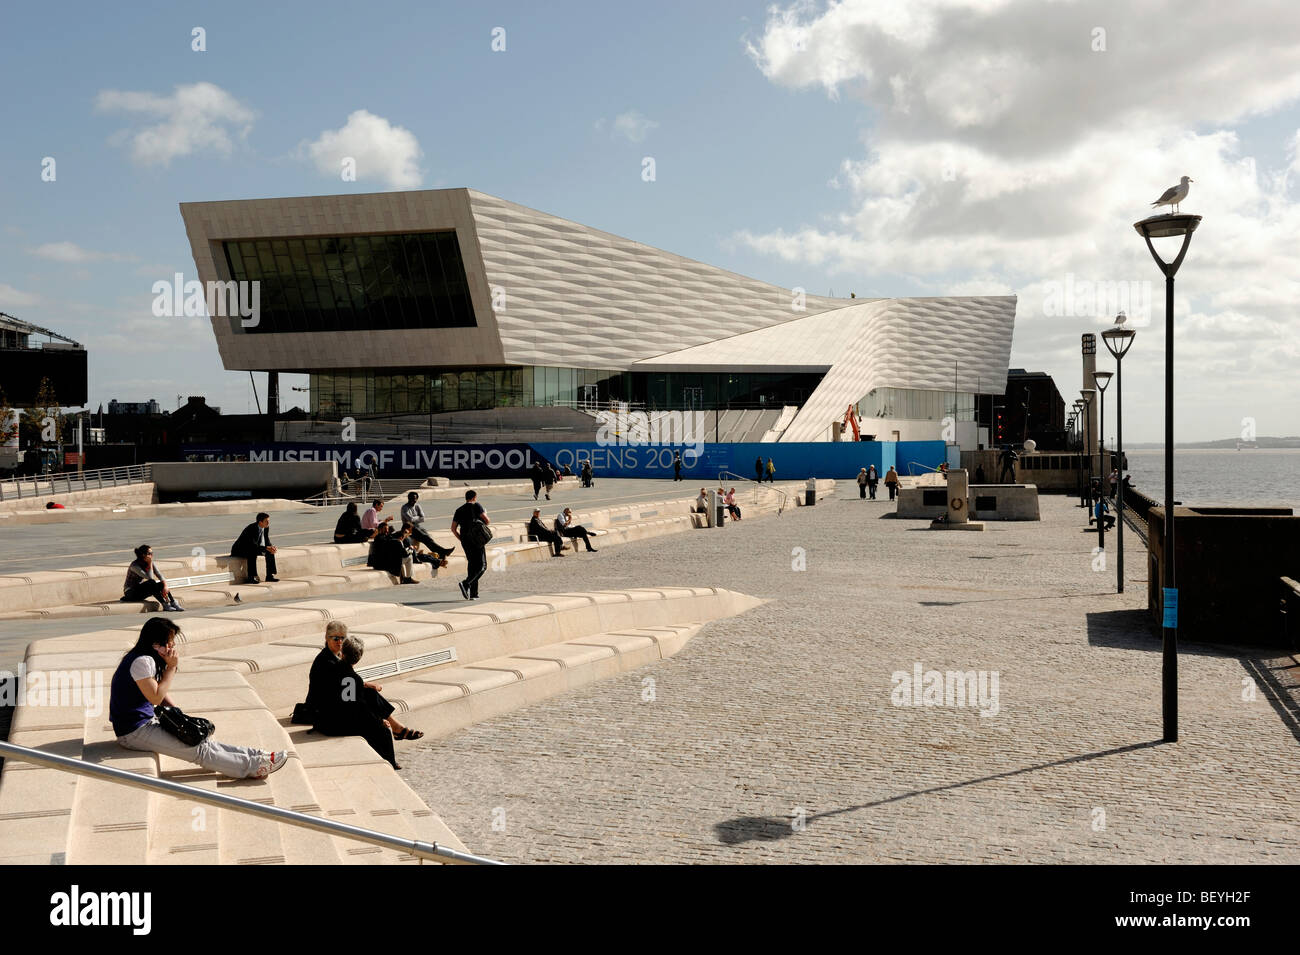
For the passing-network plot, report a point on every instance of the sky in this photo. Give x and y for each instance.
(927, 147)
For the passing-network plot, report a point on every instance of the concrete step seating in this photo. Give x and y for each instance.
(322, 569)
(505, 654)
(118, 511)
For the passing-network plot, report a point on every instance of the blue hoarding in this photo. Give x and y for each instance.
(793, 461)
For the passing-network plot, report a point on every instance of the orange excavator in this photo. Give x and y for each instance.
(851, 420)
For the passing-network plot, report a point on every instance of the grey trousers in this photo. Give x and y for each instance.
(238, 762)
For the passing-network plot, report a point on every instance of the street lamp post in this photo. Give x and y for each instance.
(1118, 341)
(1102, 378)
(1089, 394)
(1156, 227)
(1078, 433)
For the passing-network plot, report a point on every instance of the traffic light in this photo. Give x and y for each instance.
(999, 427)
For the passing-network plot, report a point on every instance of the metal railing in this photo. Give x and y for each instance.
(42, 485)
(785, 498)
(421, 850)
(359, 490)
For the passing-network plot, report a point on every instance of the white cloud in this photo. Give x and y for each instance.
(11, 297)
(71, 252)
(381, 151)
(633, 126)
(1005, 154)
(196, 117)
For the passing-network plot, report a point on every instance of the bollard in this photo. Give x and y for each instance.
(810, 492)
(717, 510)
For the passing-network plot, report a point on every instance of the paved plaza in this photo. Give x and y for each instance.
(772, 737)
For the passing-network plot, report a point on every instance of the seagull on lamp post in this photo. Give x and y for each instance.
(1121, 318)
(1174, 194)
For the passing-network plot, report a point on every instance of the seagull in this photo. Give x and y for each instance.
(1121, 318)
(1174, 194)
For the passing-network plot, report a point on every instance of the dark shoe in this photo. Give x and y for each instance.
(591, 550)
(273, 580)
(464, 591)
(252, 580)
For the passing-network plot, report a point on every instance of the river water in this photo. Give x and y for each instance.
(1263, 477)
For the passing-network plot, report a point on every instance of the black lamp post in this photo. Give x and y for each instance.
(1102, 378)
(1118, 341)
(1078, 433)
(1156, 227)
(1089, 396)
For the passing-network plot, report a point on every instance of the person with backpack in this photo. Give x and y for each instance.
(470, 525)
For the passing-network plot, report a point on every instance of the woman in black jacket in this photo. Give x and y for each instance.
(342, 704)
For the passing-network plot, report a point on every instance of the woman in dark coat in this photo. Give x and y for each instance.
(342, 704)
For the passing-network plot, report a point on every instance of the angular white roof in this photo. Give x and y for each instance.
(889, 343)
(578, 297)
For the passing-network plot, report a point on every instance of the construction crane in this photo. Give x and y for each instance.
(851, 420)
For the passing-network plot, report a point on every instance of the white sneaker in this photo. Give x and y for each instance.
(272, 762)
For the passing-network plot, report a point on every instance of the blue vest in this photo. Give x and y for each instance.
(128, 709)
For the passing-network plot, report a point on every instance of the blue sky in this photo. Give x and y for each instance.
(883, 149)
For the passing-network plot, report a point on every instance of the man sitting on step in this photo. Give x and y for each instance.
(537, 532)
(565, 527)
(255, 541)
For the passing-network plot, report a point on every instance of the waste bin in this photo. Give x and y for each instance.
(717, 510)
(810, 492)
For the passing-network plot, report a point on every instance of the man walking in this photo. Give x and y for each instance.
(255, 541)
(862, 484)
(771, 472)
(758, 470)
(873, 478)
(467, 524)
(677, 465)
(536, 476)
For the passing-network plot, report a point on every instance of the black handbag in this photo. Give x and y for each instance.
(190, 730)
(479, 533)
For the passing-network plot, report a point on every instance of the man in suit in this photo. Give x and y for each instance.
(255, 541)
(538, 531)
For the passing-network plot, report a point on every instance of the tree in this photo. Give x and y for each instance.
(8, 420)
(43, 423)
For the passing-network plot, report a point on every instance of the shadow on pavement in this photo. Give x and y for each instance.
(771, 828)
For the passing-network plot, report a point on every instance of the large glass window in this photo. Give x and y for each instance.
(355, 283)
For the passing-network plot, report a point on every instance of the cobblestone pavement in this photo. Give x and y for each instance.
(771, 737)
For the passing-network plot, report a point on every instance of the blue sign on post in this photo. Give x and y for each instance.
(1171, 607)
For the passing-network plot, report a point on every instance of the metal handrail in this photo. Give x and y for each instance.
(785, 498)
(422, 850)
(43, 484)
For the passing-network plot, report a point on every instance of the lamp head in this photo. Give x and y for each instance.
(1102, 378)
(1118, 340)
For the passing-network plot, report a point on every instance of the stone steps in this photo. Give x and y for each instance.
(319, 570)
(447, 699)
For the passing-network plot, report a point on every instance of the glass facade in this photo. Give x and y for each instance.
(408, 390)
(916, 405)
(356, 282)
